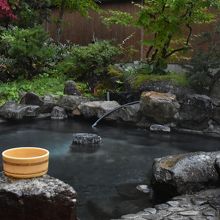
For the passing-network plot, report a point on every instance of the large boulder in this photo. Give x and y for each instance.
(195, 112)
(70, 102)
(161, 107)
(31, 98)
(44, 198)
(58, 113)
(46, 103)
(49, 102)
(98, 109)
(129, 113)
(184, 173)
(12, 110)
(70, 88)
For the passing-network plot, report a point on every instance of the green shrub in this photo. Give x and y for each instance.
(133, 76)
(205, 65)
(176, 78)
(89, 63)
(41, 85)
(29, 48)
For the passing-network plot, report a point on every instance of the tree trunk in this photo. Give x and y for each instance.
(60, 20)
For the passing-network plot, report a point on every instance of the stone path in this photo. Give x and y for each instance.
(204, 205)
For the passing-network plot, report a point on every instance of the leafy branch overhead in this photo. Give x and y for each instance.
(81, 6)
(165, 23)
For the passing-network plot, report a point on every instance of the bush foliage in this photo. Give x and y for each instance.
(28, 49)
(88, 63)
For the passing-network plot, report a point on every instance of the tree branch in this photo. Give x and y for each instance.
(148, 52)
(177, 50)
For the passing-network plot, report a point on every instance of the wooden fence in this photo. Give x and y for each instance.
(80, 30)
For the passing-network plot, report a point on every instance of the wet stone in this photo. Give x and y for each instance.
(187, 207)
(130, 216)
(189, 213)
(173, 203)
(162, 207)
(199, 201)
(176, 209)
(209, 213)
(150, 210)
(86, 139)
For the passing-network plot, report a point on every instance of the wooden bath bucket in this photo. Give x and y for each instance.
(25, 162)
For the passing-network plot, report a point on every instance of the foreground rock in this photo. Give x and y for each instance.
(161, 107)
(204, 205)
(44, 198)
(184, 173)
(12, 110)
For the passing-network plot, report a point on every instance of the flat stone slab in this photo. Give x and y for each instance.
(44, 198)
(204, 205)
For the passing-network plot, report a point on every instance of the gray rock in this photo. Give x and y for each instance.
(195, 112)
(144, 188)
(86, 139)
(70, 88)
(184, 208)
(70, 102)
(49, 102)
(184, 173)
(213, 130)
(12, 110)
(58, 113)
(215, 93)
(129, 113)
(98, 109)
(43, 198)
(189, 213)
(31, 98)
(216, 114)
(150, 210)
(161, 107)
(160, 128)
